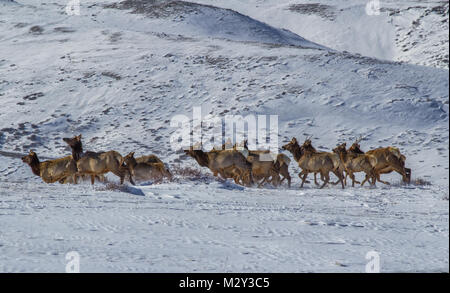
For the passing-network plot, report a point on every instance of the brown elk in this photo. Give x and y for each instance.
(146, 171)
(389, 159)
(52, 170)
(227, 163)
(311, 161)
(356, 162)
(266, 166)
(262, 170)
(334, 157)
(271, 166)
(96, 164)
(149, 159)
(101, 164)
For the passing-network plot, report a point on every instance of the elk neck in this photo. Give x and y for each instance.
(77, 151)
(297, 152)
(35, 166)
(202, 158)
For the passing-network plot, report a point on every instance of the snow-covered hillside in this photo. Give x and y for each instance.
(119, 72)
(410, 31)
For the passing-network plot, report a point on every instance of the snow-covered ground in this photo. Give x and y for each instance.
(118, 73)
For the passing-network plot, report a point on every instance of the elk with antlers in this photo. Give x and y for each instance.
(311, 161)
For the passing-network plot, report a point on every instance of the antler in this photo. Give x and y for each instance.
(359, 139)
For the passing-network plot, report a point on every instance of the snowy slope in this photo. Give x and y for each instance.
(410, 31)
(118, 75)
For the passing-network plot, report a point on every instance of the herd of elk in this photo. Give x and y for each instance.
(95, 165)
(244, 166)
(312, 161)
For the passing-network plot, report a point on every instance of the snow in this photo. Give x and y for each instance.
(411, 31)
(194, 227)
(119, 77)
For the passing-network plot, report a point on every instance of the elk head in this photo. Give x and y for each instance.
(290, 146)
(30, 158)
(340, 149)
(355, 147)
(307, 145)
(294, 149)
(76, 146)
(129, 160)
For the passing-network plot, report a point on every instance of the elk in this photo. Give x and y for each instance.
(146, 171)
(266, 166)
(389, 159)
(311, 161)
(356, 162)
(149, 159)
(101, 164)
(77, 147)
(52, 170)
(263, 170)
(227, 163)
(96, 164)
(279, 165)
(334, 157)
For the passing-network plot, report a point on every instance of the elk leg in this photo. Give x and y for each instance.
(315, 178)
(403, 173)
(168, 175)
(371, 176)
(221, 176)
(92, 179)
(356, 181)
(265, 179)
(300, 176)
(408, 174)
(379, 179)
(304, 178)
(340, 179)
(276, 180)
(340, 176)
(352, 176)
(365, 179)
(288, 178)
(131, 180)
(343, 178)
(327, 178)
